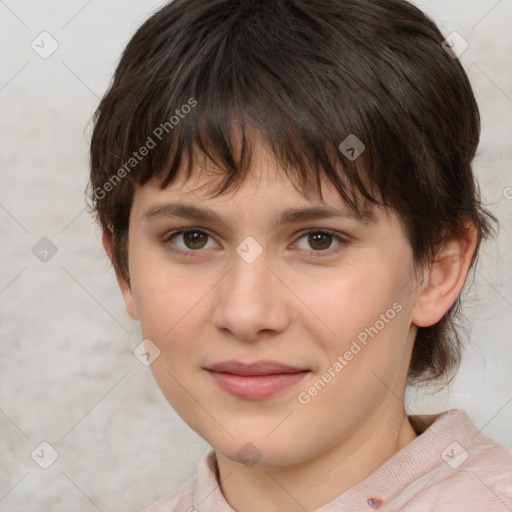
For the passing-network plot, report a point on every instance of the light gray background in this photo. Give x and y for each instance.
(68, 375)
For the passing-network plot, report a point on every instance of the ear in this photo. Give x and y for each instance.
(446, 278)
(124, 285)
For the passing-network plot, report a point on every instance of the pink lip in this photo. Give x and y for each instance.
(258, 380)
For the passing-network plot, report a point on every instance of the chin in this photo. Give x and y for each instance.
(258, 451)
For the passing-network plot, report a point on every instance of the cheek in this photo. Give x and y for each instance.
(169, 303)
(157, 293)
(368, 322)
(168, 307)
(164, 305)
(350, 302)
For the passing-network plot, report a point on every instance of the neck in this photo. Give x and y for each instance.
(313, 483)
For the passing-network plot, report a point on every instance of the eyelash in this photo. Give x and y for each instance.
(343, 242)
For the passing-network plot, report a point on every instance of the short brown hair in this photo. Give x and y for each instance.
(305, 75)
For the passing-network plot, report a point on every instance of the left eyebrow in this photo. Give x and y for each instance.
(290, 216)
(296, 215)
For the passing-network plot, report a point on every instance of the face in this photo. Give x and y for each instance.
(290, 333)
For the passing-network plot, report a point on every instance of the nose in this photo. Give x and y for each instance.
(251, 302)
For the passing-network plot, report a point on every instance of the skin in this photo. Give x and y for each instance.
(292, 306)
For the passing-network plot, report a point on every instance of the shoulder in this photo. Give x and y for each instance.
(482, 481)
(474, 472)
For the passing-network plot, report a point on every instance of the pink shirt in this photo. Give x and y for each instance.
(449, 467)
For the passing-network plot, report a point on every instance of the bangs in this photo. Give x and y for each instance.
(332, 90)
(227, 136)
(232, 89)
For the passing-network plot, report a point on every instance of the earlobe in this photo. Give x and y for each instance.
(445, 279)
(124, 285)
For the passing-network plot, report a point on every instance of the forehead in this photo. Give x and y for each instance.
(266, 187)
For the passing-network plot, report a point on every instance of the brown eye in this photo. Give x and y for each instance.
(195, 239)
(320, 240)
(188, 241)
